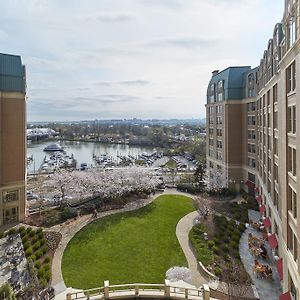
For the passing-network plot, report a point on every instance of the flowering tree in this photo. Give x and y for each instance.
(216, 179)
(179, 273)
(97, 182)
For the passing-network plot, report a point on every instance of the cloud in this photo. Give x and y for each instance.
(113, 17)
(187, 42)
(138, 82)
(166, 3)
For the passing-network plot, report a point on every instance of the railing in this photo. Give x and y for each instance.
(142, 289)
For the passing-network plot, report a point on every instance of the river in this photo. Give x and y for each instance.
(82, 151)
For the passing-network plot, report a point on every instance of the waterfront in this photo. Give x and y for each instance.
(82, 151)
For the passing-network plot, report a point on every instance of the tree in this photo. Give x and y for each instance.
(216, 180)
(204, 207)
(200, 174)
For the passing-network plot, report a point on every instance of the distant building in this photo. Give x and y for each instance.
(253, 139)
(12, 139)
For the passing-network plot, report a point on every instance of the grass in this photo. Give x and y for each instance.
(171, 164)
(138, 246)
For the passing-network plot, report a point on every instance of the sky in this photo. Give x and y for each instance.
(108, 59)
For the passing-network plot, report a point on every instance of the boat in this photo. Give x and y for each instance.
(53, 148)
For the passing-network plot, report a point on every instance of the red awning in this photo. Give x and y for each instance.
(286, 296)
(262, 209)
(258, 199)
(250, 184)
(267, 223)
(272, 239)
(279, 266)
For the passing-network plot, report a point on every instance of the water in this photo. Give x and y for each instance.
(82, 151)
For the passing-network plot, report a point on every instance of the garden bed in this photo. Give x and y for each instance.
(216, 244)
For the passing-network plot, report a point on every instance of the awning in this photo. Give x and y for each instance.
(272, 239)
(267, 222)
(286, 296)
(250, 184)
(258, 199)
(262, 209)
(279, 266)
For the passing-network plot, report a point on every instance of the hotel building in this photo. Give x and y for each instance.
(12, 139)
(253, 139)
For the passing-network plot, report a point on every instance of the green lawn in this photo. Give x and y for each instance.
(137, 246)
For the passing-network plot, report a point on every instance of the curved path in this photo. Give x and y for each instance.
(182, 231)
(69, 229)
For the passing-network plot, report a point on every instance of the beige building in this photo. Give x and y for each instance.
(253, 136)
(12, 139)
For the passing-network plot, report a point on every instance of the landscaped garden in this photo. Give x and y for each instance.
(137, 246)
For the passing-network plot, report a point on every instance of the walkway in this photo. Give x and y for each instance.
(267, 290)
(69, 229)
(182, 231)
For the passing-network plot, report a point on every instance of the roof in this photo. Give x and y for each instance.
(12, 74)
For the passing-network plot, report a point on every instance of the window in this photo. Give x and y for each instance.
(275, 93)
(292, 165)
(219, 156)
(219, 109)
(291, 78)
(275, 173)
(292, 243)
(251, 85)
(10, 196)
(292, 202)
(251, 120)
(211, 165)
(291, 119)
(219, 144)
(211, 142)
(275, 119)
(220, 91)
(251, 106)
(292, 31)
(219, 132)
(219, 120)
(275, 146)
(212, 93)
(251, 134)
(252, 148)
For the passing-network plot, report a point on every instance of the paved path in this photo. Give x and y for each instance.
(182, 231)
(69, 229)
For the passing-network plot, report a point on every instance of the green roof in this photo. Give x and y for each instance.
(12, 74)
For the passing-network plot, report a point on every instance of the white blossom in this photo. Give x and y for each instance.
(179, 273)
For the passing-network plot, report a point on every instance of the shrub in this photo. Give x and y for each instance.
(23, 234)
(68, 213)
(45, 249)
(236, 238)
(25, 239)
(1, 235)
(32, 257)
(41, 273)
(28, 252)
(26, 246)
(218, 271)
(225, 248)
(36, 246)
(39, 230)
(31, 233)
(42, 242)
(38, 254)
(11, 231)
(21, 229)
(236, 254)
(40, 235)
(234, 245)
(226, 258)
(216, 249)
(48, 276)
(47, 267)
(225, 239)
(38, 264)
(29, 229)
(47, 259)
(210, 244)
(216, 241)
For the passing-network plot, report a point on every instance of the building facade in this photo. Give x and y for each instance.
(253, 138)
(12, 139)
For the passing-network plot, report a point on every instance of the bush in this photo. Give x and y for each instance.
(226, 258)
(216, 249)
(40, 235)
(26, 246)
(68, 213)
(25, 239)
(190, 188)
(42, 242)
(45, 249)
(48, 276)
(29, 229)
(36, 246)
(210, 244)
(216, 241)
(28, 252)
(32, 257)
(41, 273)
(38, 254)
(21, 229)
(218, 271)
(47, 259)
(6, 292)
(23, 234)
(31, 233)
(47, 267)
(225, 248)
(11, 231)
(38, 264)
(236, 254)
(234, 245)
(225, 239)
(39, 230)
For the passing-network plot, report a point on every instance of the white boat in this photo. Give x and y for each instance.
(53, 147)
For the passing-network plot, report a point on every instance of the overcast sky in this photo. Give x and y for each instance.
(103, 59)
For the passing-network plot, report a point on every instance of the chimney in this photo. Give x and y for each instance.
(215, 72)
